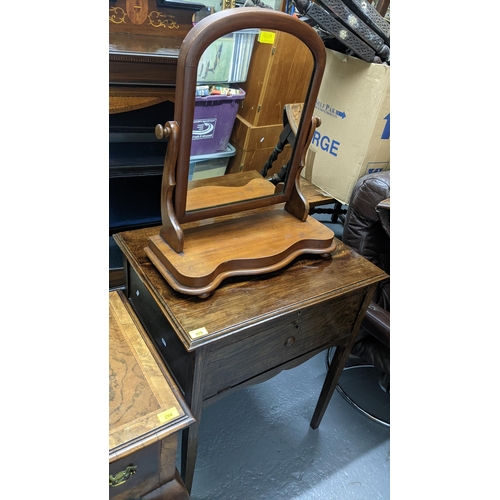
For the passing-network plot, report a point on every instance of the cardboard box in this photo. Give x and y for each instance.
(354, 136)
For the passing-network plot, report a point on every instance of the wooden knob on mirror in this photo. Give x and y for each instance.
(162, 132)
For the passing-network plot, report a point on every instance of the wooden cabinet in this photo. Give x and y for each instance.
(146, 413)
(280, 74)
(144, 41)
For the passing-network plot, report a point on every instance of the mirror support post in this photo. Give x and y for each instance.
(170, 230)
(298, 205)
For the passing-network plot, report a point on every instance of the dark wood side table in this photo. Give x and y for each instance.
(146, 413)
(249, 329)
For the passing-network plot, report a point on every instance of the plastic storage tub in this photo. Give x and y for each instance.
(214, 117)
(212, 165)
(227, 59)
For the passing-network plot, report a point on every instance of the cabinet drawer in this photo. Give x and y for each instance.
(146, 477)
(179, 361)
(281, 340)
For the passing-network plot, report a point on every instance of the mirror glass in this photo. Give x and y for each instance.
(250, 87)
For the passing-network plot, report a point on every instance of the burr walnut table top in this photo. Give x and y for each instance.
(143, 406)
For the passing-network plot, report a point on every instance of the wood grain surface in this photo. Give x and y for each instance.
(246, 245)
(243, 301)
(229, 188)
(138, 390)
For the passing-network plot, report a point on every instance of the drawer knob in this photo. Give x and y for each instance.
(122, 476)
(289, 341)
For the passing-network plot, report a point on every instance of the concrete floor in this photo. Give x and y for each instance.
(257, 444)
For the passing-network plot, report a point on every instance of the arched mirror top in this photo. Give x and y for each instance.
(195, 43)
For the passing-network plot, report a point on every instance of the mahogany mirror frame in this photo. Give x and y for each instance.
(197, 40)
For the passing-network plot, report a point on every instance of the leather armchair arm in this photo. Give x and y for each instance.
(377, 323)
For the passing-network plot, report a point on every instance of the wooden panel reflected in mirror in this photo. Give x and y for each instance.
(279, 74)
(249, 222)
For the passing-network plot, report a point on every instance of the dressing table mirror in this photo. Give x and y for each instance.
(240, 223)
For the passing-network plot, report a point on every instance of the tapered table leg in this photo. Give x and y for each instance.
(332, 378)
(188, 455)
(194, 399)
(339, 360)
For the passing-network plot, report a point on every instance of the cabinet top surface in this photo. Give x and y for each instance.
(142, 405)
(242, 302)
(143, 45)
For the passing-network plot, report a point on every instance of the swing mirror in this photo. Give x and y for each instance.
(284, 60)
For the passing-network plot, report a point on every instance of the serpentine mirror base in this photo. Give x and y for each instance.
(262, 241)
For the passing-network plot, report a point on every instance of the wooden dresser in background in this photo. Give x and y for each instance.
(144, 41)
